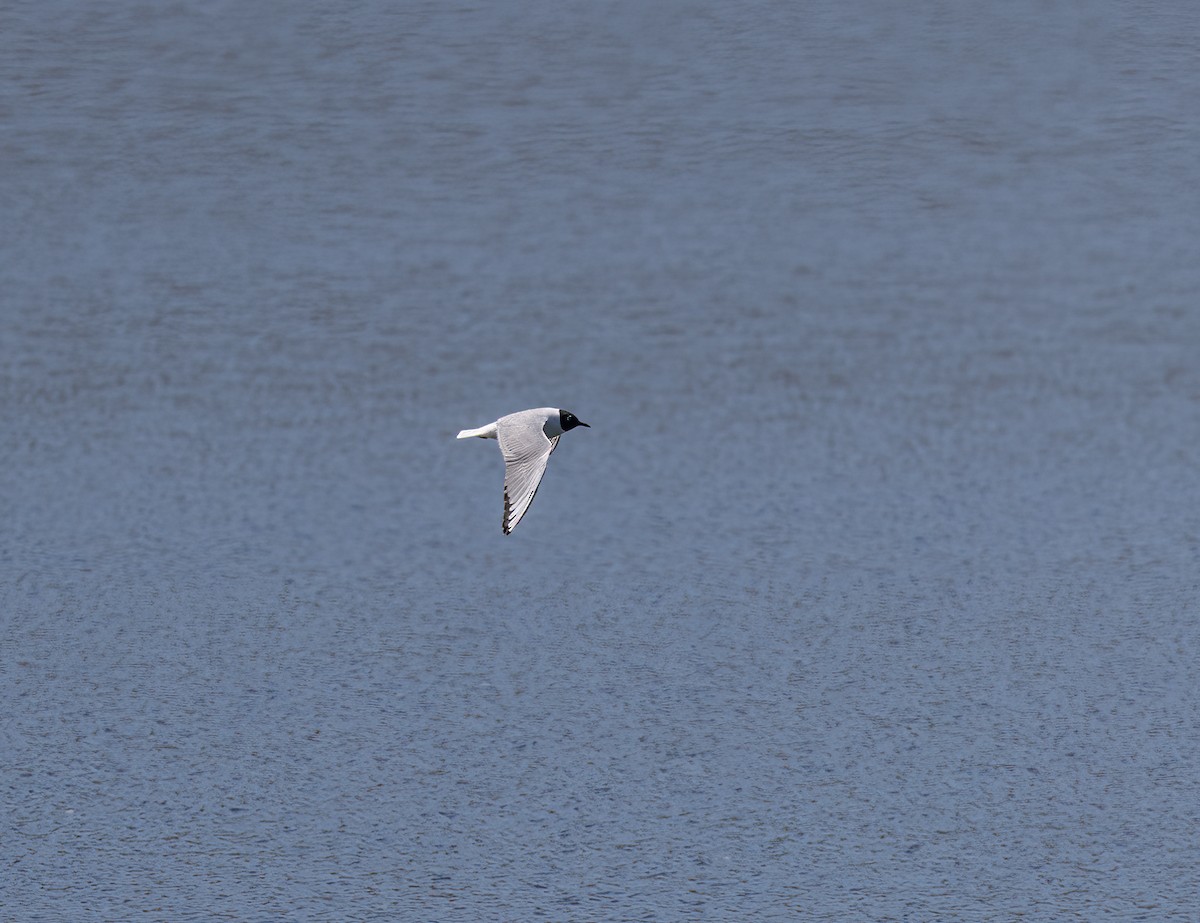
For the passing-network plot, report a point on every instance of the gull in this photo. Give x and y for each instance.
(526, 440)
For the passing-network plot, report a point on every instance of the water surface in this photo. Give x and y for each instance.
(871, 593)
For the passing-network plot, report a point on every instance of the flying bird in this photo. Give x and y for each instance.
(526, 440)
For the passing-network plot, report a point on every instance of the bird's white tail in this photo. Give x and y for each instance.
(484, 432)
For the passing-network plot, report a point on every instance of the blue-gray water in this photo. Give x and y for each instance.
(871, 594)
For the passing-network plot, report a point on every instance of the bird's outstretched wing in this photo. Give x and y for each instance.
(526, 450)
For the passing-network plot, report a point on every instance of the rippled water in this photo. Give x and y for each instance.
(871, 593)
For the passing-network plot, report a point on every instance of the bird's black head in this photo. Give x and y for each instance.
(568, 420)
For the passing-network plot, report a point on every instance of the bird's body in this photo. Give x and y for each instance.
(526, 440)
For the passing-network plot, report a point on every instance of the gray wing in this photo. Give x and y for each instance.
(526, 450)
